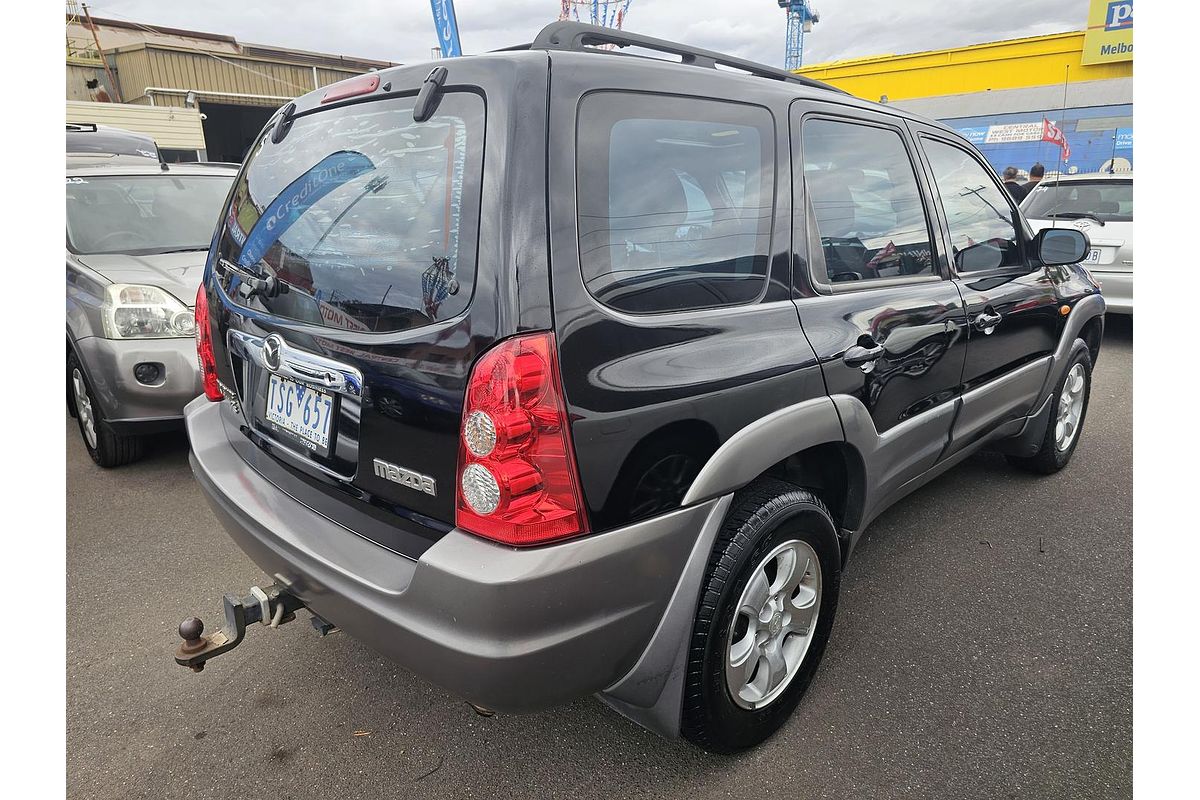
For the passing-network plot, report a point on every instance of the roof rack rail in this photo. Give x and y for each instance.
(82, 127)
(579, 36)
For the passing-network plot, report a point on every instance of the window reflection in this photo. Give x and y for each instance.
(675, 201)
(865, 199)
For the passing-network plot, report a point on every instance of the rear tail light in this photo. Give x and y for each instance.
(518, 482)
(204, 348)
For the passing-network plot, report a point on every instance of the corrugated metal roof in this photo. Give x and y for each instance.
(273, 82)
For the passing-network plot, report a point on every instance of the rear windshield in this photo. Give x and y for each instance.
(143, 214)
(1106, 200)
(364, 217)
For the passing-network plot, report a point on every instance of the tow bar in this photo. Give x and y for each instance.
(272, 607)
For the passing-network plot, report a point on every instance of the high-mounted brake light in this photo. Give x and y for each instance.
(518, 482)
(351, 87)
(204, 348)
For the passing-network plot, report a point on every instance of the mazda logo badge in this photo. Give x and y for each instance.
(272, 347)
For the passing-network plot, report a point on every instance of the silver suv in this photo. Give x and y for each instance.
(138, 233)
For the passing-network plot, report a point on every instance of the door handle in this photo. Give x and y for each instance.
(987, 320)
(859, 356)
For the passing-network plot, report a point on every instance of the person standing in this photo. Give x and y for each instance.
(1036, 173)
(1014, 188)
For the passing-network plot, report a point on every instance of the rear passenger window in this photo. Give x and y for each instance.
(866, 203)
(982, 233)
(675, 201)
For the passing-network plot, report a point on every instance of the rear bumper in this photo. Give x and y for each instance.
(130, 406)
(1117, 288)
(508, 629)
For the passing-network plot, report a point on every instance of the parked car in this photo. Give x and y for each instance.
(88, 142)
(1100, 205)
(137, 236)
(593, 387)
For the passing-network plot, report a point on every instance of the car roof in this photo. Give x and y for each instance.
(79, 133)
(1090, 176)
(575, 43)
(138, 166)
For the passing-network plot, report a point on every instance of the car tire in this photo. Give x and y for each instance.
(1068, 410)
(105, 447)
(767, 517)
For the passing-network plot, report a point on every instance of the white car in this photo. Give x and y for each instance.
(1100, 205)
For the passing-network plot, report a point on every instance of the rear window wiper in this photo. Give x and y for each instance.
(1074, 215)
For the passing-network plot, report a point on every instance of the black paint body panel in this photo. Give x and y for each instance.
(651, 396)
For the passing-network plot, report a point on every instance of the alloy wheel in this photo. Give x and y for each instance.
(1070, 408)
(83, 407)
(773, 625)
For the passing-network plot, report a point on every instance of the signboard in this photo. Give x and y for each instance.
(1016, 132)
(974, 135)
(1109, 34)
(446, 23)
(1124, 139)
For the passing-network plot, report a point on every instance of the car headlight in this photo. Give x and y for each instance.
(131, 311)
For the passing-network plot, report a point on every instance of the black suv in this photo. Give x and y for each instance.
(558, 371)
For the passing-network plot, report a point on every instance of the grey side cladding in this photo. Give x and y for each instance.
(651, 693)
(764, 443)
(1091, 306)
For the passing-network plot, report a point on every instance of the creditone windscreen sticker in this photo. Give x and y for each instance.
(301, 194)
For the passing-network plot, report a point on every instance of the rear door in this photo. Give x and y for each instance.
(879, 308)
(1011, 304)
(364, 261)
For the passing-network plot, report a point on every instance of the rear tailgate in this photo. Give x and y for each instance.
(364, 261)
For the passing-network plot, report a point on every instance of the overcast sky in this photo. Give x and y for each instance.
(402, 30)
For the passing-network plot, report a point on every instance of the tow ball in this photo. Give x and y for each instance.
(272, 607)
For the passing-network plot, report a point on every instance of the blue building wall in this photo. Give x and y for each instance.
(1096, 135)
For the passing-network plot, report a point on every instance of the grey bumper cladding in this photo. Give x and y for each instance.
(508, 629)
(110, 368)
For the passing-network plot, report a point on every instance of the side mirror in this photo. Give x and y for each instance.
(1055, 246)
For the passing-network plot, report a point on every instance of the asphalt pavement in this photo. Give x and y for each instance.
(983, 649)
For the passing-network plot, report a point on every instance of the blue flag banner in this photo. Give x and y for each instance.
(300, 195)
(447, 27)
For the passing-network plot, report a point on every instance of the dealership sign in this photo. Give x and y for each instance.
(1004, 133)
(1109, 34)
(1016, 132)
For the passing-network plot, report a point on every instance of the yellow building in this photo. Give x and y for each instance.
(1012, 64)
(997, 94)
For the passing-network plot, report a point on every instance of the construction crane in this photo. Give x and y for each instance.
(609, 13)
(800, 18)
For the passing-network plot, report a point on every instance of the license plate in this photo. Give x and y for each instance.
(1093, 256)
(301, 410)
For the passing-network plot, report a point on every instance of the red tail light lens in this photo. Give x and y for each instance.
(204, 349)
(517, 480)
